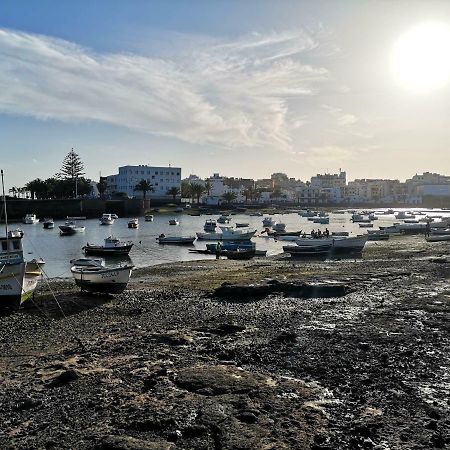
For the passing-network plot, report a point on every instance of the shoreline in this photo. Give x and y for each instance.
(166, 365)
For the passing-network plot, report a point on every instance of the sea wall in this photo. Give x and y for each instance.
(59, 209)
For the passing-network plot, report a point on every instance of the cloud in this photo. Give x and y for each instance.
(234, 93)
(342, 118)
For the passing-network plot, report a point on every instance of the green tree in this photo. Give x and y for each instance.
(14, 191)
(174, 191)
(208, 186)
(37, 188)
(197, 190)
(144, 186)
(229, 197)
(72, 166)
(102, 185)
(185, 189)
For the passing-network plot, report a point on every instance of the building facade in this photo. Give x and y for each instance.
(162, 180)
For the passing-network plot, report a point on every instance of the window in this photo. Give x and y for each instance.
(178, 173)
(4, 246)
(16, 245)
(153, 177)
(156, 173)
(172, 173)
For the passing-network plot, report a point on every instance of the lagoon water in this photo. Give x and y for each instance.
(58, 250)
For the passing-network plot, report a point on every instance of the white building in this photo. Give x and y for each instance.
(161, 178)
(329, 180)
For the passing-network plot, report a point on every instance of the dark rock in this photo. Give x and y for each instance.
(431, 425)
(27, 403)
(247, 417)
(130, 443)
(287, 336)
(63, 378)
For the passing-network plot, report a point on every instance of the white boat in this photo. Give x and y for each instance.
(173, 222)
(307, 213)
(321, 220)
(223, 219)
(148, 218)
(30, 219)
(49, 224)
(98, 278)
(403, 215)
(175, 240)
(106, 219)
(279, 227)
(354, 243)
(210, 226)
(268, 222)
(359, 218)
(340, 233)
(372, 216)
(133, 223)
(71, 227)
(228, 234)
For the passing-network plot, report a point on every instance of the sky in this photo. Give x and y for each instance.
(243, 88)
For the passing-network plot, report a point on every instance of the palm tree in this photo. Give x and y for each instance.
(186, 189)
(13, 191)
(144, 186)
(256, 195)
(197, 190)
(229, 197)
(208, 186)
(174, 191)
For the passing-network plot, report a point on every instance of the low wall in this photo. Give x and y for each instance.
(60, 209)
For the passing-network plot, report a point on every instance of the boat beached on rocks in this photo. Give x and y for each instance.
(96, 277)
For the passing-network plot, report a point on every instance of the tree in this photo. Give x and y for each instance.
(197, 190)
(174, 191)
(208, 186)
(247, 194)
(37, 188)
(185, 190)
(144, 186)
(14, 191)
(72, 166)
(102, 185)
(229, 197)
(276, 193)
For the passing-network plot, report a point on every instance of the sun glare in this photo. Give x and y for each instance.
(420, 59)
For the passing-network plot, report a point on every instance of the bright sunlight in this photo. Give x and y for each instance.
(420, 59)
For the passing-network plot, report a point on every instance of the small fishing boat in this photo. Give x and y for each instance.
(242, 224)
(106, 219)
(133, 223)
(148, 218)
(113, 247)
(223, 219)
(178, 210)
(256, 214)
(49, 224)
(173, 222)
(96, 277)
(307, 213)
(70, 228)
(321, 220)
(298, 250)
(437, 238)
(240, 254)
(175, 240)
(30, 219)
(279, 227)
(228, 234)
(210, 226)
(366, 225)
(232, 246)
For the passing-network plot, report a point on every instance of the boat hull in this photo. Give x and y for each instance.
(105, 251)
(109, 281)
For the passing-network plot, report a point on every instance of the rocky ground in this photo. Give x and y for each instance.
(168, 365)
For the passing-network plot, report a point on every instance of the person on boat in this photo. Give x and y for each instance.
(313, 234)
(218, 250)
(319, 234)
(327, 232)
(427, 228)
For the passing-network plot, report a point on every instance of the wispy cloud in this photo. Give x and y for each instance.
(231, 93)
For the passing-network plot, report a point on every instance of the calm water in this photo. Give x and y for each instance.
(58, 250)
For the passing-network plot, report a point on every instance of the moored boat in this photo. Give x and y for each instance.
(107, 219)
(318, 250)
(438, 238)
(48, 224)
(112, 247)
(148, 217)
(70, 228)
(133, 223)
(223, 219)
(240, 254)
(175, 240)
(173, 222)
(98, 278)
(242, 224)
(30, 219)
(228, 234)
(210, 226)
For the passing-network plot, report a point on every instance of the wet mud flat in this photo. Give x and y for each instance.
(168, 365)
